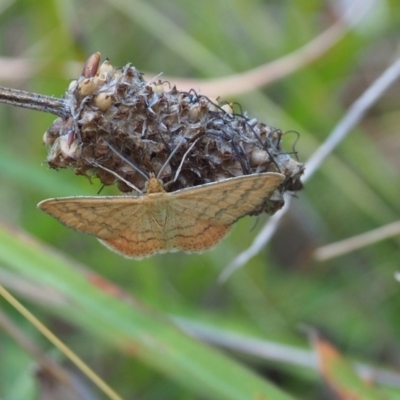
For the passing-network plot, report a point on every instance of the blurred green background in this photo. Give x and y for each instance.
(353, 299)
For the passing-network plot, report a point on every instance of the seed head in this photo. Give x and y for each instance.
(122, 128)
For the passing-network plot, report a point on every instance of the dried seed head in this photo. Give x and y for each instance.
(122, 129)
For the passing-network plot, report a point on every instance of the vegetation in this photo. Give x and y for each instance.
(121, 316)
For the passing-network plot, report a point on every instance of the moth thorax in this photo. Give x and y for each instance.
(154, 185)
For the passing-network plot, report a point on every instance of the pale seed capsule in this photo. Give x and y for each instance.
(103, 101)
(258, 157)
(52, 134)
(117, 74)
(213, 103)
(47, 140)
(67, 149)
(53, 156)
(91, 65)
(72, 85)
(50, 137)
(99, 80)
(61, 153)
(295, 168)
(198, 110)
(86, 87)
(158, 89)
(106, 69)
(228, 108)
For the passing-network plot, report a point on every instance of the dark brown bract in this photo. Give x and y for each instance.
(122, 128)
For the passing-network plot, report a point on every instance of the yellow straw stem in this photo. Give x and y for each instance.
(60, 345)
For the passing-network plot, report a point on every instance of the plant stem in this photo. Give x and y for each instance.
(34, 101)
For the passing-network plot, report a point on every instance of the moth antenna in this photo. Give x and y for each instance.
(130, 163)
(118, 177)
(153, 79)
(178, 171)
(170, 156)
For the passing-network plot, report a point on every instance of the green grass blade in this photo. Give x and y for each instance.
(134, 329)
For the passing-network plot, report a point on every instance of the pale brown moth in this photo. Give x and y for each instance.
(190, 220)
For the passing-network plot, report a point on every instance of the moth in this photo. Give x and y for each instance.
(190, 220)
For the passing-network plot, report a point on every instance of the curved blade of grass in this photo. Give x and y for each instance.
(134, 329)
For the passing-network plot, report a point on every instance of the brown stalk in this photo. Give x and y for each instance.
(33, 101)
